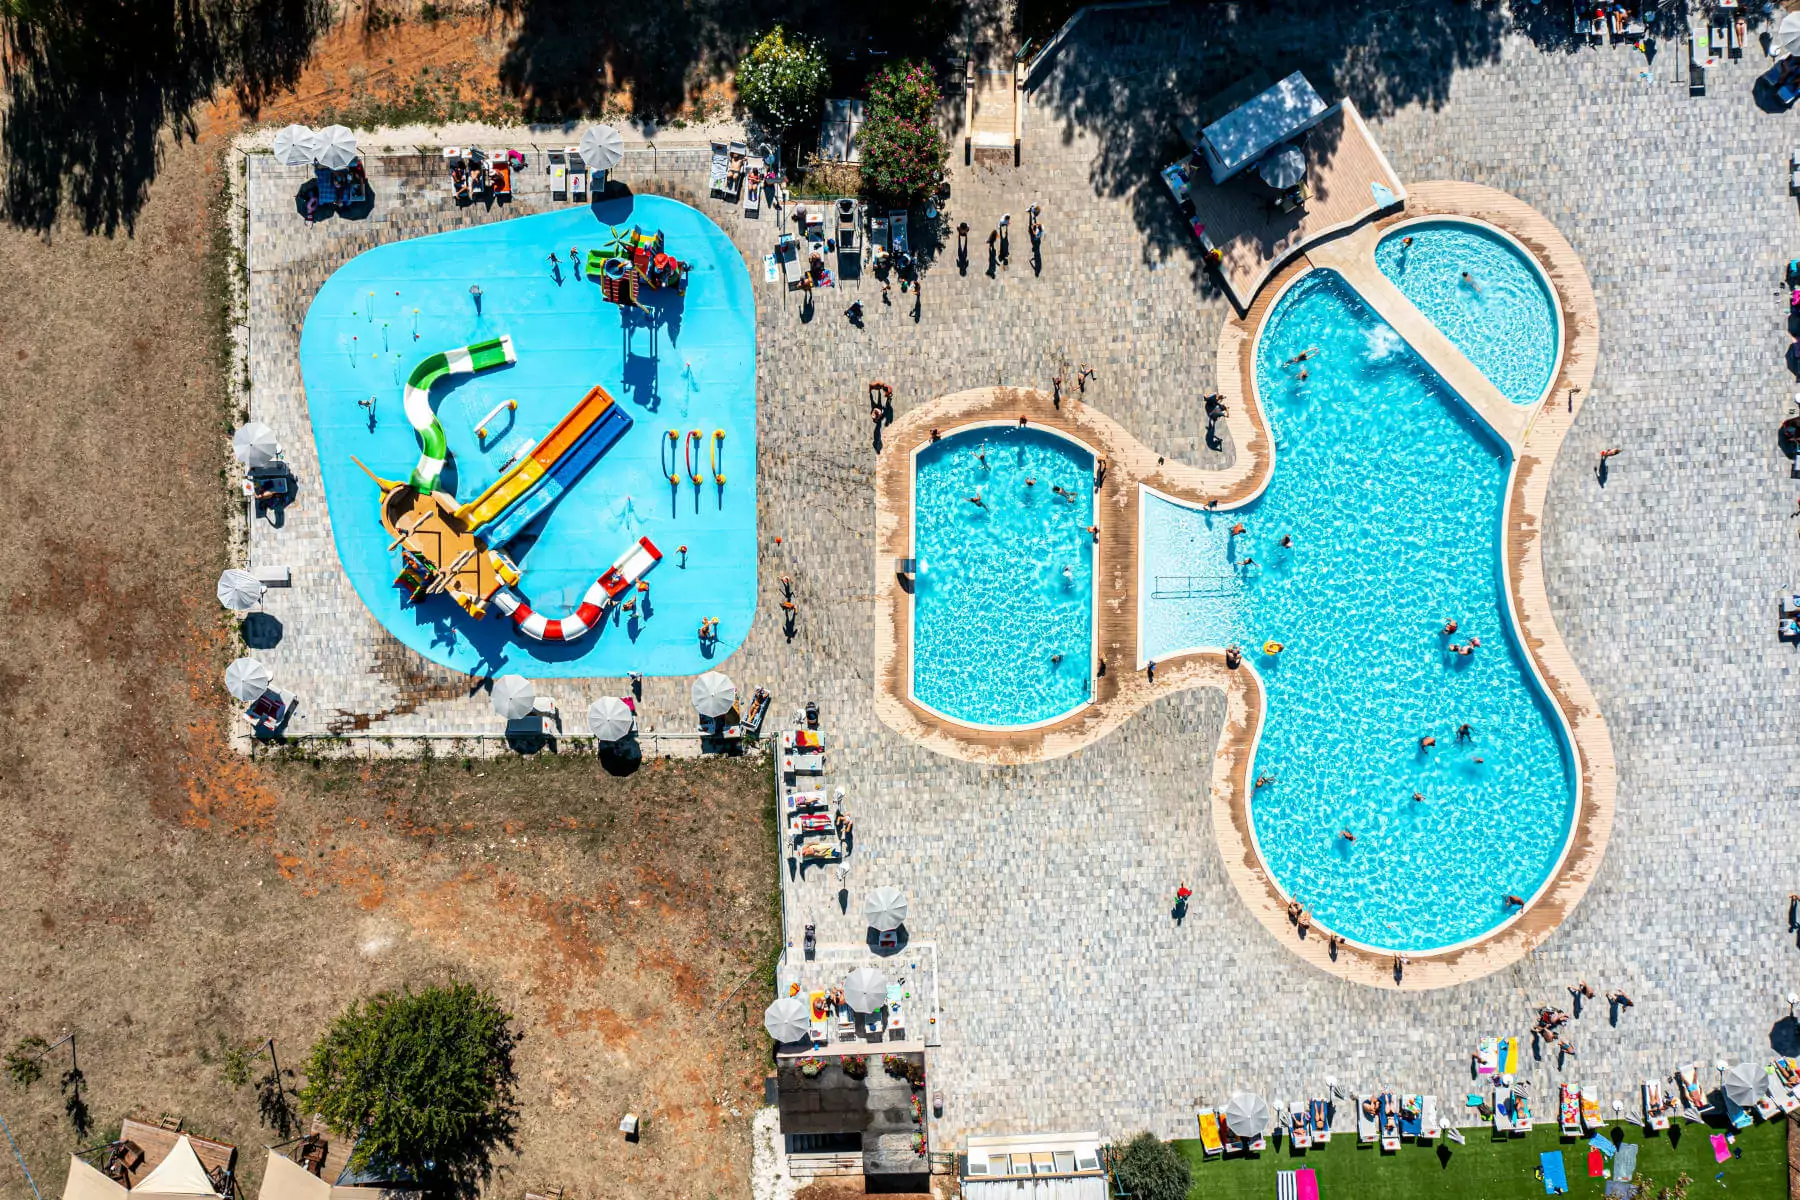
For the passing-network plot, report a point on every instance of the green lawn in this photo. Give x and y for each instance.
(1488, 1170)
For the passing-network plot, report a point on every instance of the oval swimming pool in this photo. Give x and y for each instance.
(1003, 598)
(1392, 492)
(1485, 294)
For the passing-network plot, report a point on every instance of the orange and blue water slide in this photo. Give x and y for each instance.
(529, 487)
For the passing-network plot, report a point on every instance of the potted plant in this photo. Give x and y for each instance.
(856, 1066)
(810, 1066)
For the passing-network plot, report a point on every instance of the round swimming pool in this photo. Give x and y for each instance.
(1392, 492)
(1003, 595)
(1485, 294)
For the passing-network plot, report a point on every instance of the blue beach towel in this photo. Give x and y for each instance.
(1556, 1179)
(1603, 1144)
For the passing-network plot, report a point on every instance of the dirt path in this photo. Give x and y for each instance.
(166, 899)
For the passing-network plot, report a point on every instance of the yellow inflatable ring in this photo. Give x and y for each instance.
(1273, 647)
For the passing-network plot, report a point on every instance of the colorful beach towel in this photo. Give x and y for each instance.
(1721, 1148)
(1308, 1182)
(1507, 1058)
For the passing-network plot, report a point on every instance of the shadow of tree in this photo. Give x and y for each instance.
(92, 84)
(1143, 82)
(570, 57)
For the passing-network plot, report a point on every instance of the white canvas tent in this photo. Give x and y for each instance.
(285, 1179)
(178, 1177)
(87, 1183)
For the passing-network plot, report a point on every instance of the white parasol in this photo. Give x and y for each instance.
(865, 990)
(885, 908)
(1747, 1083)
(610, 718)
(513, 696)
(789, 1019)
(1787, 34)
(1247, 1114)
(296, 146)
(337, 147)
(239, 590)
(601, 148)
(247, 679)
(255, 445)
(714, 694)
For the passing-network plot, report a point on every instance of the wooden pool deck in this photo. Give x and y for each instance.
(1343, 168)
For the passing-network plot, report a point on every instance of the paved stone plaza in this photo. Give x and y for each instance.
(1070, 998)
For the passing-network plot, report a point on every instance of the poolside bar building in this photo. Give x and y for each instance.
(1246, 133)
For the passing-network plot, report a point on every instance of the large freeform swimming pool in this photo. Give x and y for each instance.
(1484, 294)
(687, 364)
(1392, 492)
(1003, 596)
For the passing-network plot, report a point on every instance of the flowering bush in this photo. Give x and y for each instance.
(810, 1066)
(856, 1066)
(904, 89)
(782, 79)
(903, 151)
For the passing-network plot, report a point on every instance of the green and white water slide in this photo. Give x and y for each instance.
(495, 352)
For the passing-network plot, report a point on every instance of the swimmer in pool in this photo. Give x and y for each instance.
(1030, 482)
(1449, 627)
(1263, 781)
(1427, 742)
(1514, 902)
(1237, 529)
(1464, 733)
(1287, 543)
(1302, 356)
(1470, 280)
(1417, 796)
(1346, 835)
(977, 501)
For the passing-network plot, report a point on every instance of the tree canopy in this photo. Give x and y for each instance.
(1151, 1169)
(423, 1081)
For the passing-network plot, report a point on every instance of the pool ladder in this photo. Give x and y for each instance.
(1192, 587)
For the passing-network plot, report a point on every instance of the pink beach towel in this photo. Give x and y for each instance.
(1307, 1184)
(1721, 1150)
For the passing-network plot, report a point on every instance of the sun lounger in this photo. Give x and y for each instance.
(787, 254)
(1429, 1129)
(1656, 1109)
(1521, 1114)
(1367, 1127)
(737, 159)
(822, 851)
(269, 710)
(1318, 1120)
(1568, 1110)
(898, 234)
(1390, 1123)
(500, 180)
(753, 188)
(1411, 1110)
(1693, 1091)
(1503, 1097)
(559, 174)
(1298, 1136)
(1736, 1116)
(1591, 1118)
(1234, 1143)
(802, 741)
(896, 1013)
(1556, 1175)
(1210, 1144)
(578, 185)
(878, 230)
(821, 1014)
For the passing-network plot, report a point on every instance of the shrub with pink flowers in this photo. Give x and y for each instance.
(903, 151)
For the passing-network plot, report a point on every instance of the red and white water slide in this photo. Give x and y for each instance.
(626, 570)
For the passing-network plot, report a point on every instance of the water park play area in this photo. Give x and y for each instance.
(537, 439)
